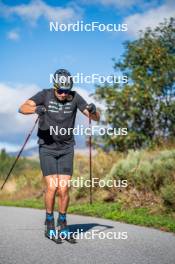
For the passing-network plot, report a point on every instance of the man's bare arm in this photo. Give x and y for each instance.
(29, 107)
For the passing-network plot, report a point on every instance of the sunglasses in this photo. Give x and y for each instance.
(61, 91)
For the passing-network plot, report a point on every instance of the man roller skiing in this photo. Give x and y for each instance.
(57, 107)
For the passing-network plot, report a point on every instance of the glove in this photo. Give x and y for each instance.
(40, 110)
(91, 108)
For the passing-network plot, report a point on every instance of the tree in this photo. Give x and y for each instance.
(145, 105)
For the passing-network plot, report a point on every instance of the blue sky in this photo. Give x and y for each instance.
(30, 52)
(39, 52)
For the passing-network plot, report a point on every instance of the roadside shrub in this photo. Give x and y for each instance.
(168, 195)
(145, 171)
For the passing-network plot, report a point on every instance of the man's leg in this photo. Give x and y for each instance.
(63, 202)
(65, 171)
(63, 192)
(48, 164)
(51, 182)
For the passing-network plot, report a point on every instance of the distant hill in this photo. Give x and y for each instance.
(33, 152)
(28, 152)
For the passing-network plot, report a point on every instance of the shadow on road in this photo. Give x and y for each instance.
(85, 227)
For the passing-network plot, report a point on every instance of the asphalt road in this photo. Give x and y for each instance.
(22, 241)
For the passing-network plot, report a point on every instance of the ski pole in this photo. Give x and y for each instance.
(90, 162)
(25, 142)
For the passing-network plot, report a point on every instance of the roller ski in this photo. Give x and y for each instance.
(51, 232)
(64, 231)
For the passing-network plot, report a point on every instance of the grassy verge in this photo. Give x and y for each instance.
(113, 211)
(30, 203)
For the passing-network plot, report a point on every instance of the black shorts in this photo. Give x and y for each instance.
(56, 161)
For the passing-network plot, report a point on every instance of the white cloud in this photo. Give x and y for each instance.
(13, 95)
(10, 147)
(150, 18)
(13, 35)
(86, 95)
(114, 3)
(38, 8)
(124, 5)
(11, 98)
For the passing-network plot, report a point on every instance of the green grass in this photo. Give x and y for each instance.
(113, 211)
(32, 203)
